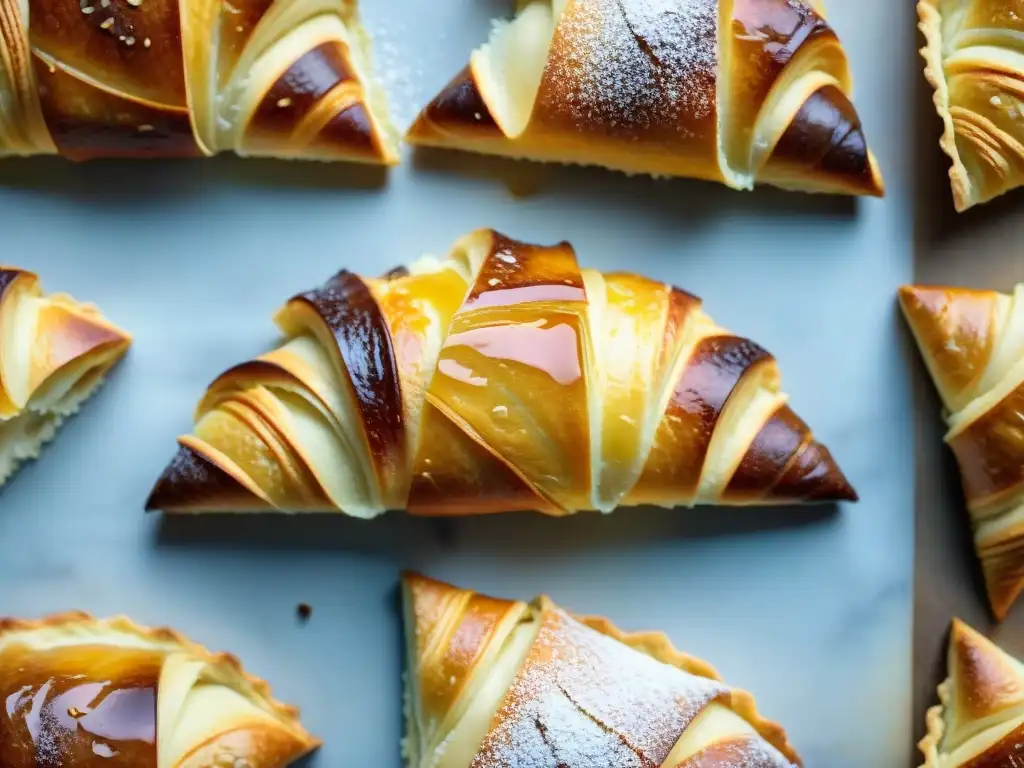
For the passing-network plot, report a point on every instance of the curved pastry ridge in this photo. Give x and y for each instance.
(54, 353)
(501, 378)
(973, 344)
(84, 691)
(974, 58)
(980, 715)
(735, 91)
(555, 690)
(186, 78)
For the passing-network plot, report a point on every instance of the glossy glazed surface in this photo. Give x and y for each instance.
(164, 256)
(87, 707)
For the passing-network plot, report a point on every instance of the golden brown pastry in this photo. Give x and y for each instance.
(496, 684)
(979, 722)
(501, 378)
(734, 91)
(170, 78)
(973, 345)
(973, 60)
(54, 353)
(81, 692)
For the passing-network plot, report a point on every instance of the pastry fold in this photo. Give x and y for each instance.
(974, 59)
(973, 344)
(82, 692)
(734, 91)
(184, 78)
(979, 721)
(501, 378)
(498, 683)
(54, 353)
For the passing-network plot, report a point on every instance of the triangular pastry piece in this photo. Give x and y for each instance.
(54, 353)
(973, 344)
(501, 378)
(974, 59)
(979, 721)
(177, 78)
(497, 683)
(734, 91)
(81, 692)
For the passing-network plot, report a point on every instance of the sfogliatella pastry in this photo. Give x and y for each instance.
(973, 61)
(973, 344)
(498, 683)
(501, 378)
(170, 78)
(81, 692)
(979, 721)
(734, 91)
(54, 353)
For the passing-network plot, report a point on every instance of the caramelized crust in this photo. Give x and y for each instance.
(973, 345)
(54, 353)
(736, 91)
(87, 692)
(502, 378)
(164, 78)
(538, 686)
(974, 59)
(980, 718)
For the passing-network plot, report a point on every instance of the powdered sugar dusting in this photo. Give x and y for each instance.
(636, 63)
(584, 700)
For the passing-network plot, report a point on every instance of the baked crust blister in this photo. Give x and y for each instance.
(158, 699)
(54, 354)
(734, 91)
(495, 683)
(972, 58)
(502, 378)
(973, 345)
(166, 78)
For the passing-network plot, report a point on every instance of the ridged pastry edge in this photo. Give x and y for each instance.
(930, 24)
(287, 713)
(658, 646)
(936, 728)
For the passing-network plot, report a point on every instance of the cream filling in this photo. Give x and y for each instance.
(714, 723)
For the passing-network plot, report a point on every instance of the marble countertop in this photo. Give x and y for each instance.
(809, 609)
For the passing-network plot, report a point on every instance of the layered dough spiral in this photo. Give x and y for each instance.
(974, 59)
(734, 91)
(979, 721)
(501, 378)
(181, 78)
(497, 683)
(54, 353)
(80, 692)
(973, 344)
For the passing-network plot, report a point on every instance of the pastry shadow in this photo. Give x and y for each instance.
(514, 535)
(688, 200)
(146, 182)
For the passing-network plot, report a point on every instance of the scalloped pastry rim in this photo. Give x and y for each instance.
(930, 25)
(658, 646)
(287, 714)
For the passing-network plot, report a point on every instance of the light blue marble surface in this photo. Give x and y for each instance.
(810, 610)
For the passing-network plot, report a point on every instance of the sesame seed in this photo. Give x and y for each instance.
(88, 9)
(121, 38)
(143, 128)
(147, 42)
(53, 69)
(239, 28)
(107, 23)
(104, 3)
(134, 3)
(286, 102)
(130, 40)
